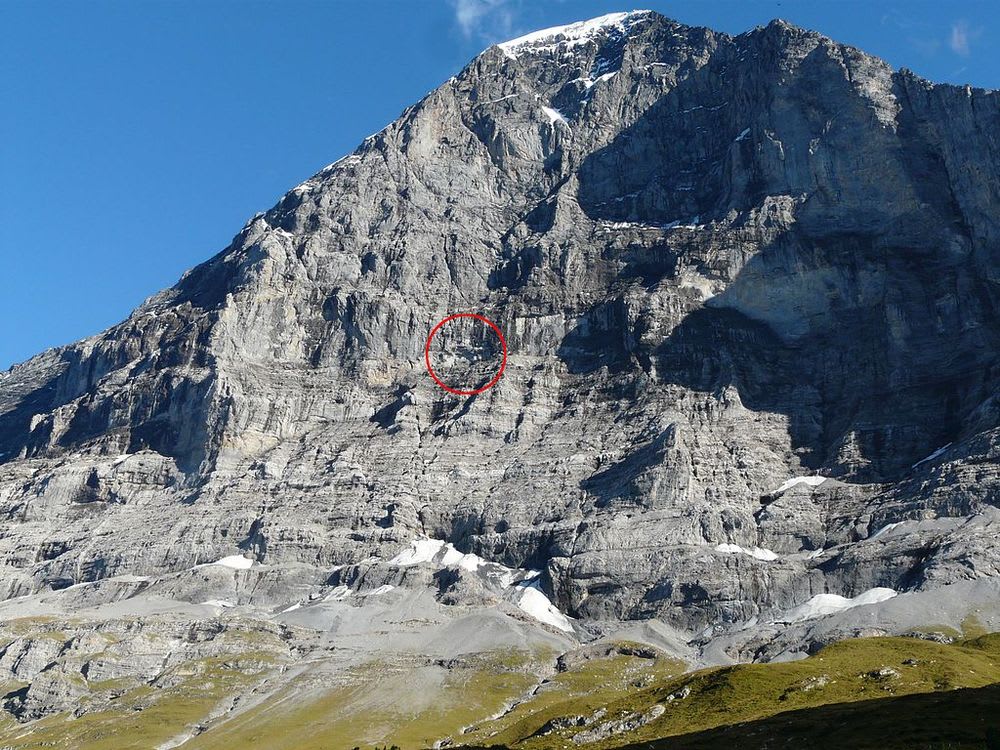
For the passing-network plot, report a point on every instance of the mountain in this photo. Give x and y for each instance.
(749, 289)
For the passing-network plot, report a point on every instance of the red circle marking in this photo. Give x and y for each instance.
(456, 391)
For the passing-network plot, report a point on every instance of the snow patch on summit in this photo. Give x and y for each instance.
(571, 35)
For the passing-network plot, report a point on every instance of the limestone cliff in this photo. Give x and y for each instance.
(719, 263)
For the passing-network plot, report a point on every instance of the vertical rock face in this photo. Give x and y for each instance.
(718, 262)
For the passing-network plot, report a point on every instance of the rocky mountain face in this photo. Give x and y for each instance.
(719, 263)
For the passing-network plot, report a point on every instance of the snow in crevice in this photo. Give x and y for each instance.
(936, 454)
(743, 134)
(236, 562)
(554, 116)
(124, 578)
(533, 601)
(828, 604)
(619, 198)
(571, 35)
(497, 101)
(603, 65)
(695, 108)
(886, 529)
(812, 481)
(676, 224)
(218, 603)
(589, 82)
(759, 553)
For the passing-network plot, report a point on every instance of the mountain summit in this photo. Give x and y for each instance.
(750, 288)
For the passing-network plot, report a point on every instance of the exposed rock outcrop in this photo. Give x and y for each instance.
(719, 263)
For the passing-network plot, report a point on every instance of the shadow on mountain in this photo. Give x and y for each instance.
(956, 719)
(629, 481)
(867, 390)
(597, 340)
(870, 324)
(69, 398)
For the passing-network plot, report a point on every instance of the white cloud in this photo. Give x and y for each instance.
(961, 38)
(486, 20)
(926, 47)
(929, 39)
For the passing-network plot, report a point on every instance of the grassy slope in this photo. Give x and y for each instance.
(414, 704)
(125, 714)
(407, 705)
(951, 720)
(583, 690)
(143, 717)
(840, 674)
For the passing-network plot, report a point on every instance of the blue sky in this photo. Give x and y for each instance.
(136, 138)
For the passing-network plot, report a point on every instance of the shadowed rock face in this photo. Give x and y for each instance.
(718, 262)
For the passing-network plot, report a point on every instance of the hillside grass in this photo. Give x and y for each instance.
(866, 669)
(143, 717)
(888, 688)
(964, 719)
(611, 680)
(410, 706)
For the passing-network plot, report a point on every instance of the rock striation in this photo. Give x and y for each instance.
(719, 263)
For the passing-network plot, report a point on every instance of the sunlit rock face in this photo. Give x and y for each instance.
(718, 262)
